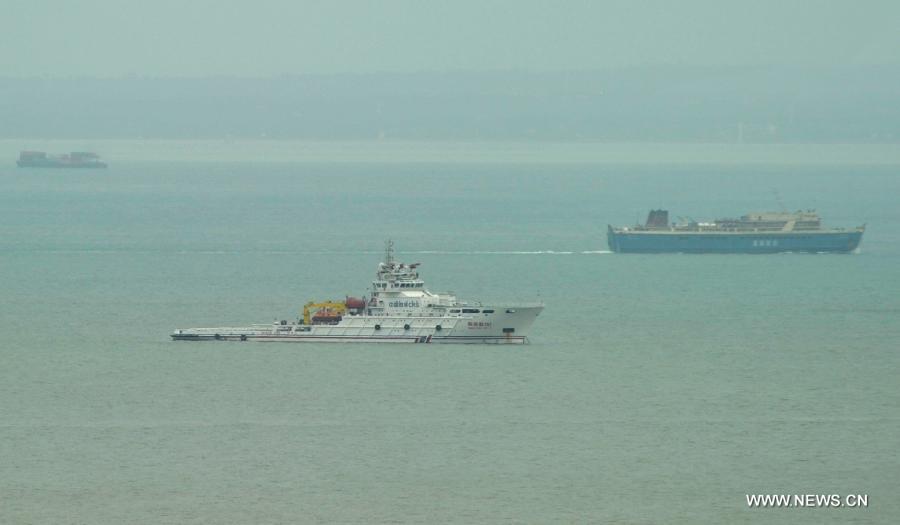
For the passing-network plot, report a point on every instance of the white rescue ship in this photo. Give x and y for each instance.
(400, 310)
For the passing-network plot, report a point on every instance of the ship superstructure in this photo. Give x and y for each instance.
(76, 159)
(765, 232)
(400, 309)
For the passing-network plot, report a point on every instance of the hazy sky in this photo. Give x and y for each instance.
(272, 37)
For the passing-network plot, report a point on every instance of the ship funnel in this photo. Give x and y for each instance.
(658, 219)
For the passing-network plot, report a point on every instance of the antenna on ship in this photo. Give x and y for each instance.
(389, 251)
(779, 201)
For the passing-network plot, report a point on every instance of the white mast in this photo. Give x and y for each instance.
(389, 252)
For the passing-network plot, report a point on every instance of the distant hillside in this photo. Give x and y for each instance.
(652, 104)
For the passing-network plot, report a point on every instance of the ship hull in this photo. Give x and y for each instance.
(504, 325)
(301, 338)
(842, 241)
(54, 164)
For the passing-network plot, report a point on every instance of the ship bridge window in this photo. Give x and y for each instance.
(471, 310)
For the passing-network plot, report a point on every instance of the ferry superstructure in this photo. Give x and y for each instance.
(399, 310)
(763, 232)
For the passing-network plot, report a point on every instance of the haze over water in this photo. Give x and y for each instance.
(657, 388)
(260, 153)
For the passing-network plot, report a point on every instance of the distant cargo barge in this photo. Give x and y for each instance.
(76, 159)
(769, 232)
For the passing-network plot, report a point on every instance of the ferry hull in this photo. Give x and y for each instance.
(54, 164)
(738, 242)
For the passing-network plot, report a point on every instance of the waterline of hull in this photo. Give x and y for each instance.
(464, 339)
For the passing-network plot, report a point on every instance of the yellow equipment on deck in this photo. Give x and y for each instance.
(333, 308)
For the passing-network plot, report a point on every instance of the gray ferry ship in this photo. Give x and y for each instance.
(767, 232)
(76, 159)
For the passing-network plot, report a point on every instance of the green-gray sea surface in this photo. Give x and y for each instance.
(657, 388)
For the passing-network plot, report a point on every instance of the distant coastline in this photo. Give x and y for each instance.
(652, 104)
(412, 151)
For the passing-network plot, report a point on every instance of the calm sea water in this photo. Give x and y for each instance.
(657, 388)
